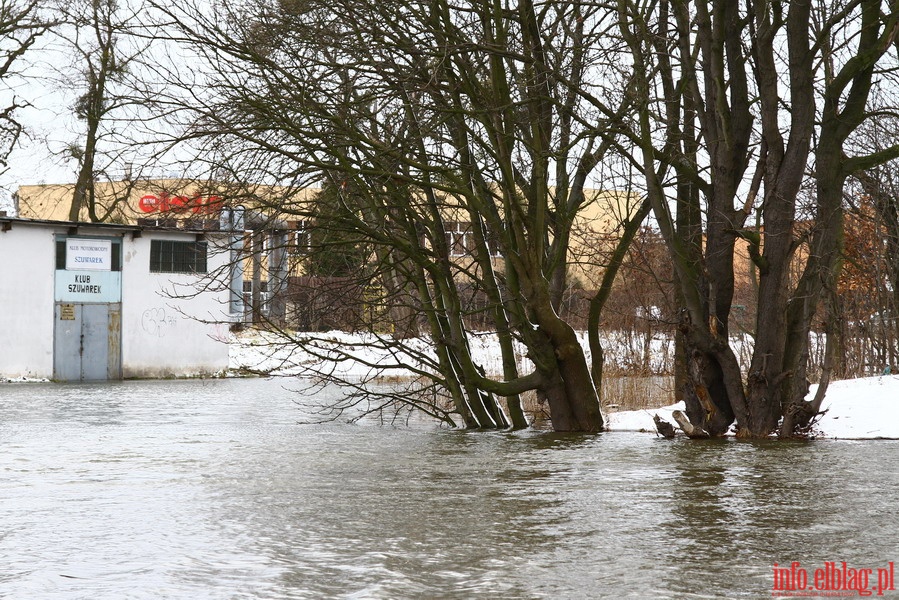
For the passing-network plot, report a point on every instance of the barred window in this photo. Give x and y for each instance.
(177, 257)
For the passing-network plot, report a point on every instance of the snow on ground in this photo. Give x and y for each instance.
(861, 408)
(640, 420)
(350, 355)
(345, 355)
(864, 408)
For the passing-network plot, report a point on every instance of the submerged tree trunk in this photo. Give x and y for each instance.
(567, 384)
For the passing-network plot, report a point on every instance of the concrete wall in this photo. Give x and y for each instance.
(172, 324)
(27, 264)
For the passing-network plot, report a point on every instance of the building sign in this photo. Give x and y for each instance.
(197, 205)
(88, 286)
(88, 255)
(66, 312)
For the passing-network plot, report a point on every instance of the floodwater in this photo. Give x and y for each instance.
(211, 489)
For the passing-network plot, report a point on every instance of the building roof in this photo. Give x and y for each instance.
(7, 223)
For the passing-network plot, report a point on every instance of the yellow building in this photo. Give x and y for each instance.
(127, 202)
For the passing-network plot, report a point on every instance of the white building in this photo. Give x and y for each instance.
(91, 302)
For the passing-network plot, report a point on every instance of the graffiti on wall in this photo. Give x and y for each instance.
(155, 322)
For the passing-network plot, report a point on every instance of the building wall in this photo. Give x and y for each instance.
(173, 324)
(162, 335)
(27, 264)
(124, 201)
(595, 233)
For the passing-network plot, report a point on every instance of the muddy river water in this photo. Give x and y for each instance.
(211, 489)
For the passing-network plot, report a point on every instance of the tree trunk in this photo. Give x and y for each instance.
(704, 388)
(569, 389)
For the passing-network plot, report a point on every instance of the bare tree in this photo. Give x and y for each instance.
(463, 145)
(100, 38)
(740, 108)
(868, 297)
(20, 27)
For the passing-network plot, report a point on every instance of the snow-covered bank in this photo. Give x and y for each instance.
(865, 408)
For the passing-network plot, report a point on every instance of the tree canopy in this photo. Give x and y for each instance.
(747, 125)
(429, 116)
(736, 122)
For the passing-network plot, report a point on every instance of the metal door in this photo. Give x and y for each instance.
(87, 342)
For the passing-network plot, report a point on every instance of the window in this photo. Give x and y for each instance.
(459, 238)
(300, 240)
(248, 295)
(177, 257)
(257, 242)
(493, 245)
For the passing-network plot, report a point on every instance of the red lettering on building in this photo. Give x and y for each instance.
(198, 205)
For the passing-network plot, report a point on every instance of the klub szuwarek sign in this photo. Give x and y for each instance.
(88, 255)
(88, 276)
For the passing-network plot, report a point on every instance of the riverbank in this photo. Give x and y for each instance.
(864, 408)
(854, 409)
